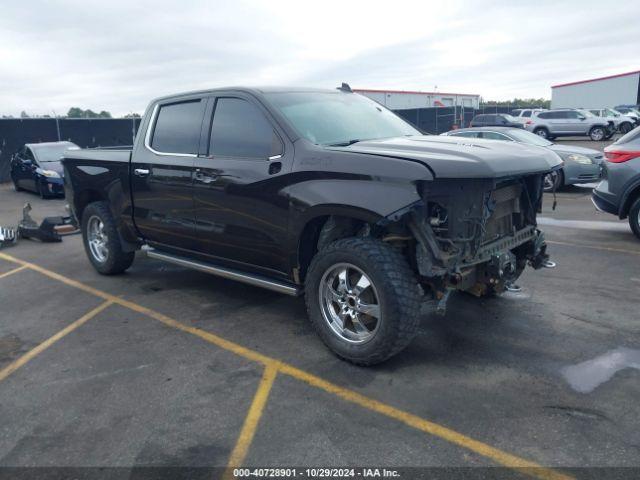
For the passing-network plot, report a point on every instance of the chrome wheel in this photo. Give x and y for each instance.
(349, 303)
(597, 134)
(97, 239)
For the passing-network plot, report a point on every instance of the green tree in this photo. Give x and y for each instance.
(76, 112)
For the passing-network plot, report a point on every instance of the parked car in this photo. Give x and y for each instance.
(619, 191)
(37, 167)
(581, 165)
(324, 192)
(629, 112)
(522, 114)
(623, 123)
(497, 119)
(569, 122)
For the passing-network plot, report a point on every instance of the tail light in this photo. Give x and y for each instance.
(529, 122)
(620, 156)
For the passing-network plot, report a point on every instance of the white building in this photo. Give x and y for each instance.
(404, 100)
(611, 91)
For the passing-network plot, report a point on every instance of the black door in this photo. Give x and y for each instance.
(240, 216)
(162, 174)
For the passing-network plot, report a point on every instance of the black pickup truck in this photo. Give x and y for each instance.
(322, 192)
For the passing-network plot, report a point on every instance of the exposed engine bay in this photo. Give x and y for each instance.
(473, 235)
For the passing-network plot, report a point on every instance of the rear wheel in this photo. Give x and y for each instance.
(597, 134)
(102, 242)
(363, 300)
(542, 132)
(553, 181)
(634, 217)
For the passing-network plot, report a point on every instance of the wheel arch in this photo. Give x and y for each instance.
(326, 224)
(628, 199)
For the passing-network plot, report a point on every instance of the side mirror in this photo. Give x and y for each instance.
(582, 118)
(26, 162)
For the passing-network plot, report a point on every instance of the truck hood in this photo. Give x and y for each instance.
(451, 157)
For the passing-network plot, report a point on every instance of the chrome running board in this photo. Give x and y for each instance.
(255, 280)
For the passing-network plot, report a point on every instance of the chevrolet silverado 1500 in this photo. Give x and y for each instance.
(321, 192)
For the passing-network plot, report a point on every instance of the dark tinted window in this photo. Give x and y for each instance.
(545, 115)
(526, 113)
(240, 130)
(494, 136)
(572, 114)
(177, 128)
(465, 134)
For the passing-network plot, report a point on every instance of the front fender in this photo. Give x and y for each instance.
(362, 199)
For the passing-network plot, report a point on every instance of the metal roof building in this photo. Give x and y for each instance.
(405, 100)
(610, 91)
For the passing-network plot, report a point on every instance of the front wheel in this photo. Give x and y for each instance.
(634, 217)
(553, 181)
(625, 127)
(363, 300)
(597, 134)
(102, 242)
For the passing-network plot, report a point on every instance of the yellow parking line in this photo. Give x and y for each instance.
(11, 272)
(239, 453)
(15, 365)
(503, 458)
(594, 247)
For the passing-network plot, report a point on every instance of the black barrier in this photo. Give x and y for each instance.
(84, 132)
(437, 120)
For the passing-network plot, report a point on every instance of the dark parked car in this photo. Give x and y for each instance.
(37, 167)
(324, 192)
(619, 191)
(495, 120)
(581, 165)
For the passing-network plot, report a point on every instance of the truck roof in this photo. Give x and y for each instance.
(253, 90)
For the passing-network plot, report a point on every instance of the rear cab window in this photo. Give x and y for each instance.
(176, 129)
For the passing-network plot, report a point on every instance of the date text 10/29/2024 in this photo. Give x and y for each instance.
(315, 473)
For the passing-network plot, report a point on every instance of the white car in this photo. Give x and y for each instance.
(523, 114)
(623, 123)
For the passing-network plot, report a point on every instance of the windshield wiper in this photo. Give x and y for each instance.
(344, 144)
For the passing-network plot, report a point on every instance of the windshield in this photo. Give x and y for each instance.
(586, 113)
(52, 153)
(339, 118)
(510, 118)
(527, 137)
(611, 112)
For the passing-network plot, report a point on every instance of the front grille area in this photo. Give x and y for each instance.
(505, 202)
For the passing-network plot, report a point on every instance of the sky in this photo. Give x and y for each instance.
(117, 55)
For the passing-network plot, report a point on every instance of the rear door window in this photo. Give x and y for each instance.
(526, 113)
(240, 129)
(177, 127)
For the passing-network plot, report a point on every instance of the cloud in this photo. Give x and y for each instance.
(118, 55)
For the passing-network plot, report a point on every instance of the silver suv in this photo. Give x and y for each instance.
(569, 122)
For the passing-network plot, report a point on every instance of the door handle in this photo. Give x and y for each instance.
(141, 172)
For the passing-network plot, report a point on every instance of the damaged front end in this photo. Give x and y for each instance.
(475, 235)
